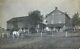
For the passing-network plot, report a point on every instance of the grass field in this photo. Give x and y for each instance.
(47, 41)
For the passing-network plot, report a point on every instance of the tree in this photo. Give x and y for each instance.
(35, 17)
(76, 20)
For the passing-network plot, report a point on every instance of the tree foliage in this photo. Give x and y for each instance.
(76, 20)
(35, 17)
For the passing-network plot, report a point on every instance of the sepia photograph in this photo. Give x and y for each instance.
(39, 24)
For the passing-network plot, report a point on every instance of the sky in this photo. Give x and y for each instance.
(19, 8)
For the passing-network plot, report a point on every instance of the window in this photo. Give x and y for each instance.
(46, 21)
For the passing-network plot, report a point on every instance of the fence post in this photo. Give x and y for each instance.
(52, 33)
(41, 34)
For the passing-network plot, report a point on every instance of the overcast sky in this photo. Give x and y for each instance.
(18, 8)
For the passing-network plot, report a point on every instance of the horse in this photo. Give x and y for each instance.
(15, 34)
(19, 33)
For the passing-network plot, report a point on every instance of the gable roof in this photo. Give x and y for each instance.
(56, 10)
(18, 19)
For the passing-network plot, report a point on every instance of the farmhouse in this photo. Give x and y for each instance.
(58, 20)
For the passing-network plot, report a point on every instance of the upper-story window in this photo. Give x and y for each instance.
(45, 21)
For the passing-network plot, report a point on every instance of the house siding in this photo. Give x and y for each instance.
(59, 18)
(55, 18)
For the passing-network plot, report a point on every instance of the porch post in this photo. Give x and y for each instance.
(66, 33)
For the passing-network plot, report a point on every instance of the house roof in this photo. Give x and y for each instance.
(56, 10)
(18, 19)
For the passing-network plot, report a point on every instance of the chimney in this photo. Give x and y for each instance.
(56, 8)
